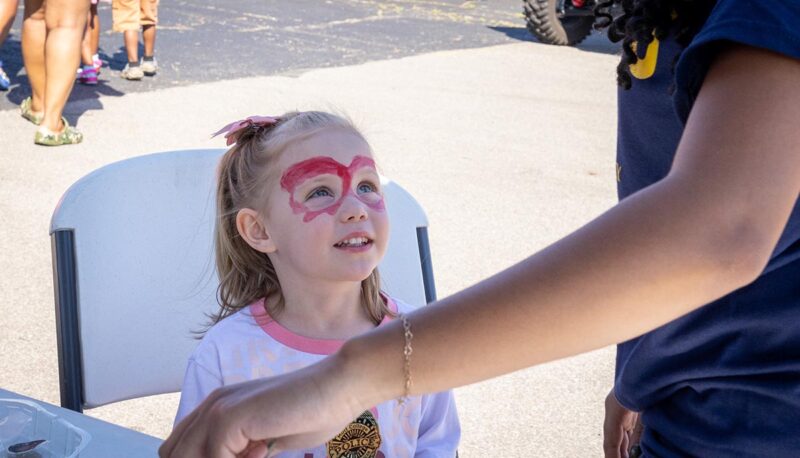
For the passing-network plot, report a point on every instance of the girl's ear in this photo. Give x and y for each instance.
(253, 231)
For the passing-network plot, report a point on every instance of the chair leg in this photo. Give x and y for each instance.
(427, 265)
(67, 332)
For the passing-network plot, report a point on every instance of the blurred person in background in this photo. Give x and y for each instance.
(90, 61)
(8, 10)
(128, 17)
(52, 31)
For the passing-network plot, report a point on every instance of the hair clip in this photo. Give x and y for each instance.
(234, 130)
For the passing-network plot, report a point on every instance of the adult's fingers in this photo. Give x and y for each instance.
(625, 445)
(638, 429)
(260, 449)
(636, 436)
(296, 408)
(616, 425)
(167, 448)
(192, 436)
(612, 443)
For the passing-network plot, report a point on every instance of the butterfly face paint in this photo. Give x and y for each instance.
(309, 169)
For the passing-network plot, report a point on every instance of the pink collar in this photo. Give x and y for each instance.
(302, 343)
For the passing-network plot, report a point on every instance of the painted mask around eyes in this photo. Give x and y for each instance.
(308, 169)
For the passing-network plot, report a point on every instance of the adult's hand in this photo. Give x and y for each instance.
(621, 429)
(261, 417)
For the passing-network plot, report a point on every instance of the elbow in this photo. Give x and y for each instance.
(742, 252)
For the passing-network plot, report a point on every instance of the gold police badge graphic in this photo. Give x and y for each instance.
(360, 439)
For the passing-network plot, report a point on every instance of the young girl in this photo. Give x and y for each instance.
(696, 270)
(301, 229)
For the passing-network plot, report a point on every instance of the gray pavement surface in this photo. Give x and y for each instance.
(204, 40)
(508, 147)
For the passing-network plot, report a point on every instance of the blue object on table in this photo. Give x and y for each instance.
(76, 434)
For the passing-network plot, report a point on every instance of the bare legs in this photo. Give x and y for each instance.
(91, 39)
(33, 38)
(8, 10)
(52, 32)
(131, 38)
(149, 38)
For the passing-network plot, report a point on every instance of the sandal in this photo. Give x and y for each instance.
(68, 136)
(27, 113)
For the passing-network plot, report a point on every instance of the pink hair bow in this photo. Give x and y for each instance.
(234, 130)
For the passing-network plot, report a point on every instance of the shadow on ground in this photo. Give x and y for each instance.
(517, 33)
(597, 42)
(21, 88)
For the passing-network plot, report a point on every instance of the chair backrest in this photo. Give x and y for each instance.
(134, 272)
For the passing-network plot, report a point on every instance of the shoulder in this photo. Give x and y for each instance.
(400, 306)
(770, 24)
(231, 324)
(765, 24)
(228, 330)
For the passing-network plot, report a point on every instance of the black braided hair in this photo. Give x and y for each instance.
(644, 19)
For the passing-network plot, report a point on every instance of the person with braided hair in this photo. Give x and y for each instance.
(722, 380)
(695, 272)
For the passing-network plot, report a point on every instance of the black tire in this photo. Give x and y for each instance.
(543, 22)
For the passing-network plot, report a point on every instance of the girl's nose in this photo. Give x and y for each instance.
(353, 209)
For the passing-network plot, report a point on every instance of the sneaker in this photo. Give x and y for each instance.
(88, 76)
(150, 67)
(132, 73)
(5, 82)
(68, 136)
(97, 63)
(26, 112)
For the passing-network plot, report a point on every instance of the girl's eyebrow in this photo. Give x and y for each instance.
(299, 173)
(303, 171)
(366, 170)
(315, 179)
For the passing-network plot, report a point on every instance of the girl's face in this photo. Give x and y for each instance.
(325, 212)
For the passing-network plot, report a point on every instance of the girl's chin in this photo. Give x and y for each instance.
(350, 276)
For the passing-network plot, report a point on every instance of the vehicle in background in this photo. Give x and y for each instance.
(564, 22)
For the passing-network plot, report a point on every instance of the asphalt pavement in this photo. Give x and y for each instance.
(204, 41)
(508, 144)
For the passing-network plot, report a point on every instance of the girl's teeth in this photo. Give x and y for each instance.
(354, 242)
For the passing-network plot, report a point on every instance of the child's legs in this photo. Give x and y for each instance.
(86, 45)
(65, 21)
(34, 33)
(91, 36)
(8, 10)
(125, 15)
(94, 23)
(149, 38)
(149, 19)
(132, 45)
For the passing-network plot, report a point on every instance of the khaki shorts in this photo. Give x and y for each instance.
(132, 14)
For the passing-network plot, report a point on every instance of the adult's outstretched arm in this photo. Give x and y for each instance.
(705, 230)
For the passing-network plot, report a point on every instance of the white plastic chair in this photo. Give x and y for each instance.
(134, 272)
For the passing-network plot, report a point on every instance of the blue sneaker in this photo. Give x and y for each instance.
(5, 83)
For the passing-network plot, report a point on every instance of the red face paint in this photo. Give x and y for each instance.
(310, 168)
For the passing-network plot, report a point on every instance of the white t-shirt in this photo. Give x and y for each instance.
(249, 345)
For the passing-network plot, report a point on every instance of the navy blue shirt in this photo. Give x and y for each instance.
(723, 381)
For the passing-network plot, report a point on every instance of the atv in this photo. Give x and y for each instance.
(561, 22)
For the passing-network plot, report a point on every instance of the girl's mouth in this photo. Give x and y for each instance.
(354, 242)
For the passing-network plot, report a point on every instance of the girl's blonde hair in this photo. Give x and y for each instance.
(245, 173)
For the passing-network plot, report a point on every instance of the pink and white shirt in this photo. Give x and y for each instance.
(249, 345)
